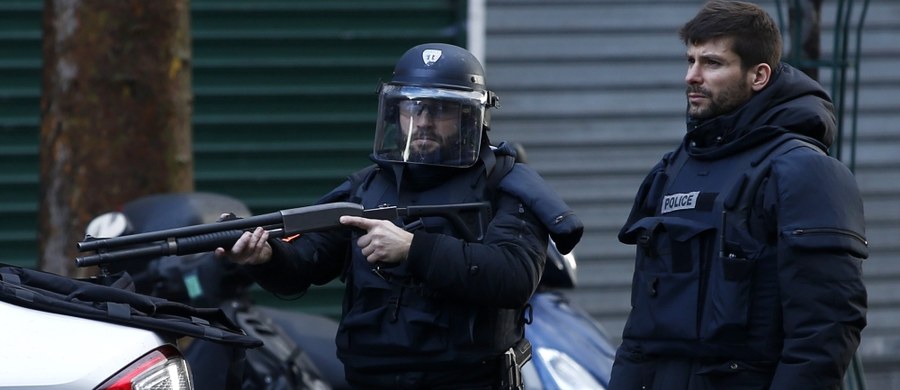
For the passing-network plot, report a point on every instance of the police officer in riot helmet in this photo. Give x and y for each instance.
(427, 305)
(433, 110)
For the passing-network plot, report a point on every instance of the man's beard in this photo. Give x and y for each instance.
(445, 151)
(432, 156)
(722, 103)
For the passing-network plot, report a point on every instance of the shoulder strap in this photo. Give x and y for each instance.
(360, 180)
(758, 164)
(739, 202)
(504, 164)
(759, 168)
(738, 197)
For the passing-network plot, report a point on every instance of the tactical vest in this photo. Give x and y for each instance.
(390, 318)
(702, 255)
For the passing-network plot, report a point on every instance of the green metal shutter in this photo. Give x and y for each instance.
(20, 90)
(285, 99)
(284, 104)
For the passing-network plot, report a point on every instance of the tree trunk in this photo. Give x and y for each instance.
(116, 111)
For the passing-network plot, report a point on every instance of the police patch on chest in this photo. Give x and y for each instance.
(683, 201)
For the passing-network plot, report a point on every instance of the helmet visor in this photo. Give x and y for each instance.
(432, 126)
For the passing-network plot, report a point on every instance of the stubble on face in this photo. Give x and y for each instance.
(721, 102)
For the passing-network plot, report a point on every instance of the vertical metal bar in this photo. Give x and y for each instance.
(837, 75)
(856, 59)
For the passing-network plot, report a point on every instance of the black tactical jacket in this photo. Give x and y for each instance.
(453, 303)
(750, 242)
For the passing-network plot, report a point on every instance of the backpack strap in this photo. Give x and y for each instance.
(360, 180)
(760, 166)
(657, 181)
(504, 164)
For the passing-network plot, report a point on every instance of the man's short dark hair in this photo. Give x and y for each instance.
(755, 36)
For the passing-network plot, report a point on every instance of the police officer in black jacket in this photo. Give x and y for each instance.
(749, 238)
(427, 305)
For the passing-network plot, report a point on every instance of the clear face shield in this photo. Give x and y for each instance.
(432, 126)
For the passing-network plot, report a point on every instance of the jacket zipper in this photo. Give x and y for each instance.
(845, 232)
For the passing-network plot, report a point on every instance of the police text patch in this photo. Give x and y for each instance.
(677, 202)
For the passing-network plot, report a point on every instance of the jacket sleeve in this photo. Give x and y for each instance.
(311, 258)
(821, 246)
(503, 270)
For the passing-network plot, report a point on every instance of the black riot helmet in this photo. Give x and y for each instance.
(434, 109)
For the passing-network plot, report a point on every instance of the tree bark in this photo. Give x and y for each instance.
(116, 109)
